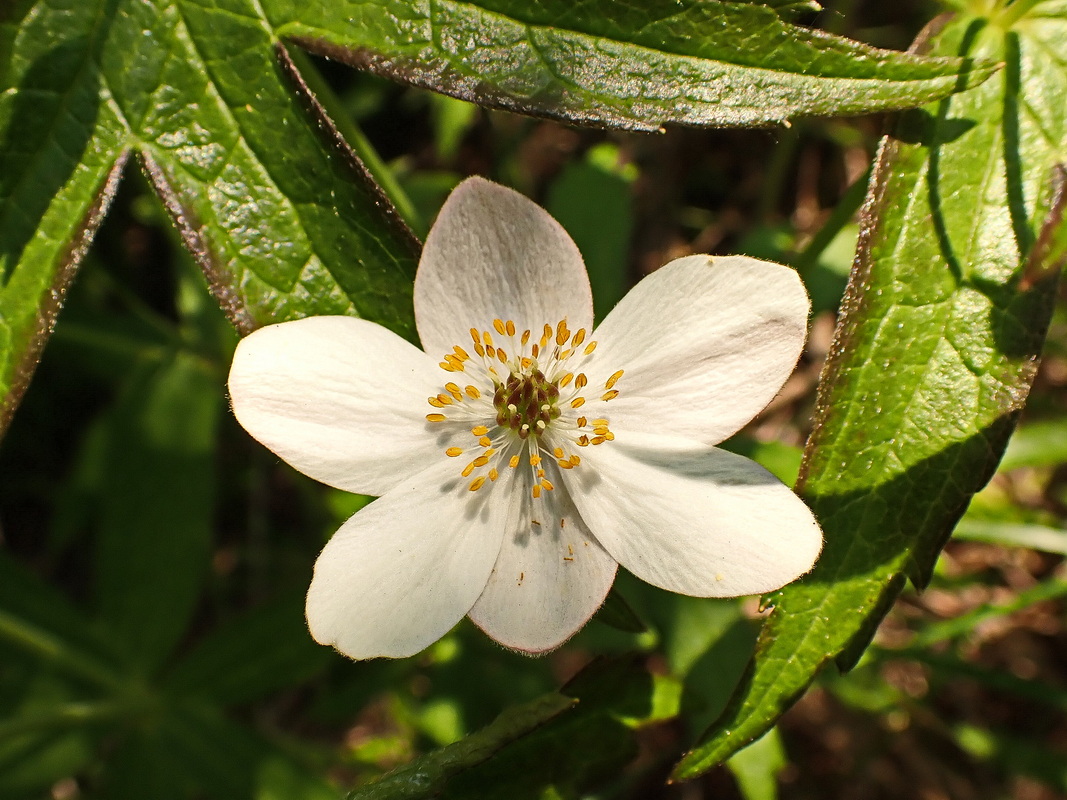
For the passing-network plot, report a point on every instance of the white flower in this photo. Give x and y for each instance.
(524, 455)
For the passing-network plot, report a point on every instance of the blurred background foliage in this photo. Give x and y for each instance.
(153, 558)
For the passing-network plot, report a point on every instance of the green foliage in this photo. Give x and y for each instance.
(943, 321)
(633, 66)
(152, 640)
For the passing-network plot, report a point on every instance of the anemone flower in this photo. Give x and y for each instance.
(522, 455)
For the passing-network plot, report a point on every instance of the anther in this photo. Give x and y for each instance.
(477, 483)
(578, 402)
(613, 380)
(525, 337)
(565, 464)
(452, 452)
(461, 354)
(493, 474)
(454, 390)
(562, 334)
(467, 470)
(610, 395)
(472, 392)
(535, 460)
(589, 348)
(580, 381)
(487, 338)
(480, 461)
(548, 486)
(433, 401)
(579, 337)
(536, 490)
(444, 399)
(480, 430)
(558, 452)
(513, 462)
(485, 441)
(576, 460)
(436, 417)
(581, 422)
(498, 325)
(566, 379)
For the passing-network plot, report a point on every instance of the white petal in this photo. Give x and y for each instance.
(341, 399)
(494, 254)
(705, 344)
(400, 573)
(706, 523)
(550, 577)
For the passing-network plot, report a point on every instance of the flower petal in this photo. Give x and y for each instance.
(550, 577)
(341, 399)
(400, 573)
(700, 522)
(705, 343)
(494, 254)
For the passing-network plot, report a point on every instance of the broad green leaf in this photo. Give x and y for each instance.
(261, 651)
(428, 776)
(941, 328)
(278, 212)
(157, 505)
(637, 66)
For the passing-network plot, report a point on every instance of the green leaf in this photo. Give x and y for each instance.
(279, 214)
(637, 66)
(942, 324)
(428, 775)
(157, 505)
(259, 652)
(37, 620)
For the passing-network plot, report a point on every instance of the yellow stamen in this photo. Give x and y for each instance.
(436, 417)
(589, 348)
(525, 337)
(461, 353)
(493, 474)
(502, 356)
(485, 441)
(579, 337)
(526, 362)
(610, 395)
(613, 380)
(467, 470)
(513, 462)
(510, 327)
(609, 436)
(577, 402)
(477, 483)
(536, 490)
(599, 439)
(474, 336)
(444, 399)
(548, 486)
(487, 338)
(565, 380)
(558, 452)
(433, 401)
(480, 430)
(479, 349)
(490, 351)
(454, 390)
(583, 440)
(581, 381)
(562, 334)
(565, 464)
(480, 461)
(576, 460)
(472, 392)
(446, 367)
(598, 422)
(581, 422)
(452, 452)
(535, 460)
(498, 325)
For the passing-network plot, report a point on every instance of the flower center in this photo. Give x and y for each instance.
(526, 403)
(522, 404)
